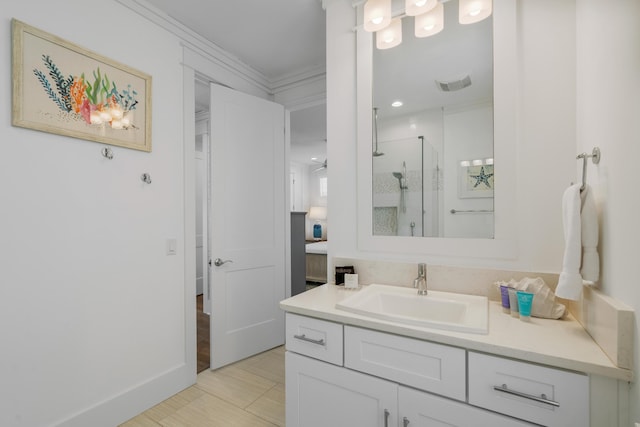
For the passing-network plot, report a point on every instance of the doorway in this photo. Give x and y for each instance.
(203, 303)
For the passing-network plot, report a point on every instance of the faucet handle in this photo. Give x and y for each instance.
(422, 269)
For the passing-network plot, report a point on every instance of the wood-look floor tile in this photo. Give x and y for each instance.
(269, 364)
(211, 411)
(270, 406)
(141, 420)
(233, 384)
(174, 403)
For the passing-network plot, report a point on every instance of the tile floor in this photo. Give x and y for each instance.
(249, 393)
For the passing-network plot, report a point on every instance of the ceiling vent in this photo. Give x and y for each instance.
(454, 85)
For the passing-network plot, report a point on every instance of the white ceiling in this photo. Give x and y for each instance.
(277, 38)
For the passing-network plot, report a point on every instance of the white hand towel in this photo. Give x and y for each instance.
(590, 269)
(570, 281)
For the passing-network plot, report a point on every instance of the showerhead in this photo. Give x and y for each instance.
(397, 175)
(377, 154)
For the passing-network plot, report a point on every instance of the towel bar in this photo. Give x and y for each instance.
(595, 158)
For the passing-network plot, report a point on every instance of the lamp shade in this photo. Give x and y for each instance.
(418, 7)
(318, 212)
(430, 23)
(377, 14)
(472, 11)
(391, 36)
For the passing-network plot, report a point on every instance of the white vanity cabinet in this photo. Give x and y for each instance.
(371, 389)
(346, 370)
(321, 395)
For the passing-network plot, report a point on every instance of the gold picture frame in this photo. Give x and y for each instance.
(61, 88)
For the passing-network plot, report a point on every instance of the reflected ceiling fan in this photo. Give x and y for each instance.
(323, 165)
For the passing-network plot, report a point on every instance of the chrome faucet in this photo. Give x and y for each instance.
(420, 282)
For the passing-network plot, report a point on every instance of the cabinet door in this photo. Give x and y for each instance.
(322, 395)
(420, 409)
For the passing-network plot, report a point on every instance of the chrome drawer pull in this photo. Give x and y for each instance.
(311, 340)
(542, 399)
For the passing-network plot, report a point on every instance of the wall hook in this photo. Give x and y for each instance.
(145, 177)
(107, 152)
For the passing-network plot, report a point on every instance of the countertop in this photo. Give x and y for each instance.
(558, 343)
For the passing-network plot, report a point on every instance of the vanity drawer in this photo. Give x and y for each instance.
(315, 338)
(424, 365)
(539, 394)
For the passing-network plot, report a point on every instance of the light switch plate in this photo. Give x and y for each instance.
(172, 245)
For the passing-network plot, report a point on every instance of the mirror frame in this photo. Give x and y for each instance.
(504, 244)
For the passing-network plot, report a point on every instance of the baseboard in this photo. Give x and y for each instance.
(122, 407)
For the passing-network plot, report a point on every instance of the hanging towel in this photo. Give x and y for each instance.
(581, 260)
(590, 267)
(570, 281)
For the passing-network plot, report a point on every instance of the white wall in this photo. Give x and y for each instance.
(90, 304)
(608, 90)
(468, 135)
(593, 43)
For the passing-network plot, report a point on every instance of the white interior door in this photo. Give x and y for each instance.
(248, 217)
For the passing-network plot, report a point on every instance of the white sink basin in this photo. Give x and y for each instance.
(441, 310)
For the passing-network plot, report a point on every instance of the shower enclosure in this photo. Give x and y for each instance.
(401, 206)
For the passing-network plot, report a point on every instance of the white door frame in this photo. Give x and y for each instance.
(196, 66)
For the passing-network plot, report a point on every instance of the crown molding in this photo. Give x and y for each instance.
(190, 37)
(221, 57)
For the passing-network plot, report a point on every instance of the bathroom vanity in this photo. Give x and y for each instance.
(346, 369)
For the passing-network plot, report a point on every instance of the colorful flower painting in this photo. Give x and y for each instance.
(97, 103)
(98, 100)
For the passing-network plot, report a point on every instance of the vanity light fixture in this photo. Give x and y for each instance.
(429, 18)
(390, 36)
(476, 162)
(377, 14)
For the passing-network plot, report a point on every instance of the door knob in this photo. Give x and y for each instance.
(218, 262)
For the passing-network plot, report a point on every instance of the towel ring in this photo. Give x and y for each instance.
(595, 158)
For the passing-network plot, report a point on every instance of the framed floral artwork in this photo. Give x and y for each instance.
(61, 88)
(475, 180)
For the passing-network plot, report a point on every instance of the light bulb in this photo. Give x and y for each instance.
(390, 36)
(472, 11)
(430, 23)
(418, 7)
(377, 15)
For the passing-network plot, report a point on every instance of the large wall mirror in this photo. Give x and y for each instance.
(428, 168)
(432, 161)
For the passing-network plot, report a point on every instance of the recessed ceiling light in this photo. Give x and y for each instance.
(396, 104)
